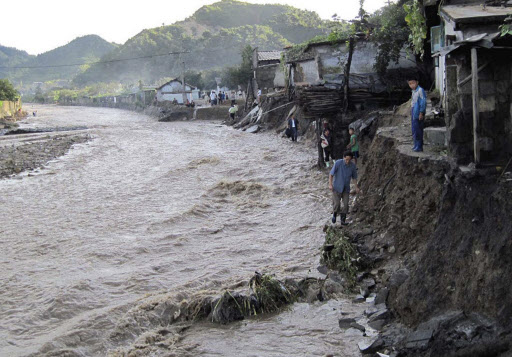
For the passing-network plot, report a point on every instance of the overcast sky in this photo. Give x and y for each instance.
(37, 26)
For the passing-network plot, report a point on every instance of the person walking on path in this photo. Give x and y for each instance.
(232, 111)
(418, 110)
(339, 183)
(326, 145)
(293, 125)
(353, 145)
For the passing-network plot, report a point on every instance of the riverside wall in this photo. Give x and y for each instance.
(9, 108)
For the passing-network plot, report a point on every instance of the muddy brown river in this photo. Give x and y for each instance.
(145, 209)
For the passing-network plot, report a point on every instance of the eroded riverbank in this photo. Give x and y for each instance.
(150, 208)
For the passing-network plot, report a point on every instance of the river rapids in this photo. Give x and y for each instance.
(147, 209)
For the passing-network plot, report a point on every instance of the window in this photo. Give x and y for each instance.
(436, 38)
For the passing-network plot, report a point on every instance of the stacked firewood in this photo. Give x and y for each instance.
(317, 101)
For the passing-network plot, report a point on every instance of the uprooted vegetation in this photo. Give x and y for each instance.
(160, 320)
(340, 255)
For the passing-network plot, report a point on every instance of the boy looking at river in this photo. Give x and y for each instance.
(339, 183)
(418, 109)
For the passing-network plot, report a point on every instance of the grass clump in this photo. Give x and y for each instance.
(267, 294)
(339, 254)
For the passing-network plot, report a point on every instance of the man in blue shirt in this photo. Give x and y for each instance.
(339, 183)
(418, 109)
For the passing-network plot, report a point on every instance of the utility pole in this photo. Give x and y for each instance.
(183, 88)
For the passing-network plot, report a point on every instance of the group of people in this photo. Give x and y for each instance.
(345, 170)
(342, 172)
(218, 99)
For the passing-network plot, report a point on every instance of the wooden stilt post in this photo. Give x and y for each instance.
(321, 162)
(474, 84)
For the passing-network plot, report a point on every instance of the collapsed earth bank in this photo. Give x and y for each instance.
(440, 240)
(435, 236)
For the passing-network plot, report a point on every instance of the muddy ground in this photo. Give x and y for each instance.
(21, 152)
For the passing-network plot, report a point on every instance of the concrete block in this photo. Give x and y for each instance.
(435, 136)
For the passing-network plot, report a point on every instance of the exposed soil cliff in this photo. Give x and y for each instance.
(439, 237)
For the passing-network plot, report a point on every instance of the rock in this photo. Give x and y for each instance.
(253, 129)
(380, 315)
(322, 269)
(361, 276)
(377, 325)
(334, 276)
(382, 354)
(364, 292)
(419, 339)
(332, 287)
(359, 299)
(398, 278)
(370, 346)
(382, 296)
(346, 322)
(368, 283)
(353, 332)
(370, 299)
(358, 326)
(312, 294)
(392, 249)
(371, 310)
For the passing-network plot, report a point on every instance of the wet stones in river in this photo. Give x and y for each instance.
(370, 346)
(359, 299)
(253, 129)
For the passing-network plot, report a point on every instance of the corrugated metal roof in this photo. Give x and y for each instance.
(269, 55)
(475, 13)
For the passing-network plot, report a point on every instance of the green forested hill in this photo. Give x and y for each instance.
(84, 49)
(11, 57)
(214, 35)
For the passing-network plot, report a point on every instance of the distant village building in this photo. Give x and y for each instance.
(268, 73)
(174, 90)
(474, 77)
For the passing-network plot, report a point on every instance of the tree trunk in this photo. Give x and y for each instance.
(346, 74)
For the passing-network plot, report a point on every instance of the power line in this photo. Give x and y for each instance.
(109, 61)
(98, 62)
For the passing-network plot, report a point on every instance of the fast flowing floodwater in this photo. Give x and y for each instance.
(148, 208)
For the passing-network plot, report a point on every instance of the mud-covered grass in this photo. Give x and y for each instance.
(160, 321)
(267, 295)
(339, 254)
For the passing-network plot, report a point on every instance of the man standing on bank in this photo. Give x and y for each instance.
(293, 125)
(418, 109)
(339, 183)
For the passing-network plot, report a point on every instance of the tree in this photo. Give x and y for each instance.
(417, 24)
(390, 34)
(7, 91)
(239, 75)
(506, 28)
